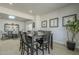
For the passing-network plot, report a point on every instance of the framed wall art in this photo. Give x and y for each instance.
(11, 27)
(44, 24)
(33, 24)
(65, 19)
(53, 22)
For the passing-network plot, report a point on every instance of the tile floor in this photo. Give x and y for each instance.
(11, 47)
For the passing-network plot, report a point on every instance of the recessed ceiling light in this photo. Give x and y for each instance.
(11, 17)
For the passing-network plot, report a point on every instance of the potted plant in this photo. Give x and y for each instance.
(73, 27)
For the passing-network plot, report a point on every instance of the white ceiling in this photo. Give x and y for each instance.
(37, 8)
(5, 16)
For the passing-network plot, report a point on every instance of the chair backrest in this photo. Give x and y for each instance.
(9, 33)
(35, 33)
(47, 36)
(26, 38)
(20, 35)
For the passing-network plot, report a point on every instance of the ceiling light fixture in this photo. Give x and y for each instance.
(11, 17)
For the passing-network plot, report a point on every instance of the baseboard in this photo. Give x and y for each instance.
(59, 42)
(64, 44)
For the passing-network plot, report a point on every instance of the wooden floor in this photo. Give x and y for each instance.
(11, 47)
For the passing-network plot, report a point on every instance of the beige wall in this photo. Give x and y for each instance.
(60, 34)
(23, 25)
(2, 22)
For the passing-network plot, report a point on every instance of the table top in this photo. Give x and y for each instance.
(38, 36)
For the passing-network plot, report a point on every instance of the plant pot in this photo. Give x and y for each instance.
(71, 45)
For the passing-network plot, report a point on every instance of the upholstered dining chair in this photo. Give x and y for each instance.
(45, 42)
(21, 48)
(29, 46)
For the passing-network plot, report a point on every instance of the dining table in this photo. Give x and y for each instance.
(38, 36)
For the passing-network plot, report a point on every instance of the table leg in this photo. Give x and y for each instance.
(51, 41)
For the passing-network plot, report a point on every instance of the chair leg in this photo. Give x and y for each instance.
(36, 49)
(48, 49)
(22, 53)
(32, 52)
(22, 50)
(27, 51)
(20, 46)
(43, 48)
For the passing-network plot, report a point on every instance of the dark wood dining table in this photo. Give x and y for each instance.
(34, 37)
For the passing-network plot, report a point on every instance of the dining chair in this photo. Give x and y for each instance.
(21, 48)
(30, 47)
(45, 42)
